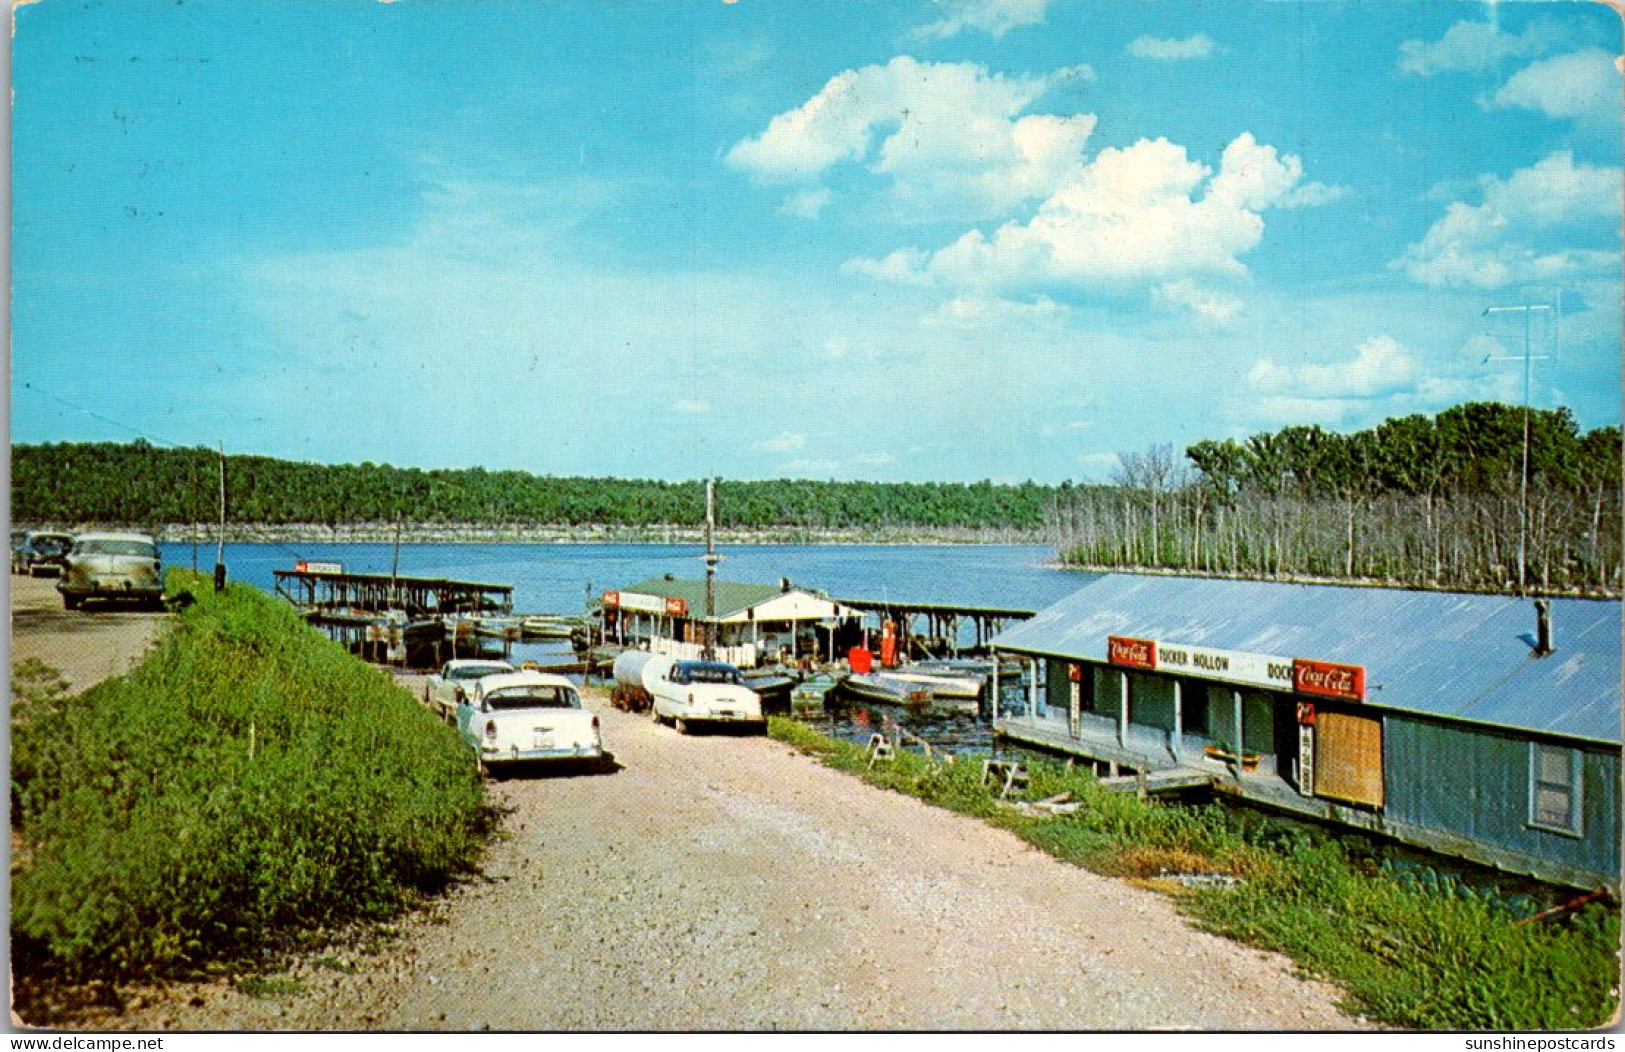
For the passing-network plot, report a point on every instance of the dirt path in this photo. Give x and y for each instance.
(86, 645)
(720, 882)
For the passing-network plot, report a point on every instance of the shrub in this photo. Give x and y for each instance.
(249, 779)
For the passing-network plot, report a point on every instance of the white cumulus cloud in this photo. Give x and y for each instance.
(1145, 214)
(993, 17)
(1380, 365)
(947, 137)
(1159, 49)
(1470, 47)
(1556, 220)
(1582, 84)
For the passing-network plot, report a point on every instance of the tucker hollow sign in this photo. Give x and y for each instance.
(1320, 678)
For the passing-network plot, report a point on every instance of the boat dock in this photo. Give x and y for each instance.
(942, 622)
(317, 592)
(383, 616)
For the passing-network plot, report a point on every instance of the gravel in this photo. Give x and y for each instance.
(726, 882)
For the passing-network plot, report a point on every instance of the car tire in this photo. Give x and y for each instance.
(71, 602)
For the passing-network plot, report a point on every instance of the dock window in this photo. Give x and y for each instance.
(1554, 788)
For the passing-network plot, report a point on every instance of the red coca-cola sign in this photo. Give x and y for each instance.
(676, 606)
(1328, 680)
(1126, 650)
(612, 599)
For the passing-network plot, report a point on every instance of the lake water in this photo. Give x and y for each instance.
(558, 578)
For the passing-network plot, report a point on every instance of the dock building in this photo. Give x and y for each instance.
(1485, 727)
(753, 622)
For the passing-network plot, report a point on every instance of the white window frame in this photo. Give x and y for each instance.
(1576, 826)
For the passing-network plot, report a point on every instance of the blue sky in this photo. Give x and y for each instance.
(951, 240)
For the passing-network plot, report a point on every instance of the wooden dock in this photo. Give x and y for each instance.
(317, 592)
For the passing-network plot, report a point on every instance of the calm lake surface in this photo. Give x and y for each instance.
(558, 578)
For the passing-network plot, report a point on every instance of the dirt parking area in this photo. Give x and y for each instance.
(727, 882)
(86, 645)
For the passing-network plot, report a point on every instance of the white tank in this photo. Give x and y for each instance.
(639, 668)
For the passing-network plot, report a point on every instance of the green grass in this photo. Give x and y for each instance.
(1406, 953)
(247, 782)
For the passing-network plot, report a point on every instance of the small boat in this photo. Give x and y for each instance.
(812, 693)
(885, 688)
(548, 626)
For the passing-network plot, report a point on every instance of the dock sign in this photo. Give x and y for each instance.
(307, 566)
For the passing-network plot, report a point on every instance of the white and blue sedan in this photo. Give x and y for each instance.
(525, 717)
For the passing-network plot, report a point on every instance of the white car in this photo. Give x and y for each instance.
(522, 717)
(446, 688)
(691, 692)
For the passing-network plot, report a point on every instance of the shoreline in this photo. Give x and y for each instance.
(556, 533)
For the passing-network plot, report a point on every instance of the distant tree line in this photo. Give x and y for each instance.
(140, 483)
(1416, 501)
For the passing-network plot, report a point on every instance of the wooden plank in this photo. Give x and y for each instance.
(1348, 757)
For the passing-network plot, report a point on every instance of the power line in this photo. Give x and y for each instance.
(138, 432)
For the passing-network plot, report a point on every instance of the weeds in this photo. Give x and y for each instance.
(247, 780)
(1409, 950)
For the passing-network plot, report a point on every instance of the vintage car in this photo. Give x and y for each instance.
(114, 566)
(524, 717)
(46, 554)
(446, 688)
(701, 692)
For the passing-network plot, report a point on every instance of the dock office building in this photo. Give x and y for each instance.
(1485, 727)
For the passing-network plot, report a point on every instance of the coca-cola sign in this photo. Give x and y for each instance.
(1328, 680)
(612, 600)
(1126, 650)
(676, 606)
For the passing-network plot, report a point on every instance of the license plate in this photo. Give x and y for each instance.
(544, 740)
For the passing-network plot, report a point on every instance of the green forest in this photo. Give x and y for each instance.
(1437, 502)
(1441, 501)
(138, 483)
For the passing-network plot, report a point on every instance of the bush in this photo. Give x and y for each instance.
(249, 779)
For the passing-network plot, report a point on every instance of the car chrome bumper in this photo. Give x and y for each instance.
(497, 754)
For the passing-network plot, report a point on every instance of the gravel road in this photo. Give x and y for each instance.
(86, 645)
(727, 882)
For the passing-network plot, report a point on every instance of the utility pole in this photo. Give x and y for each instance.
(711, 560)
(220, 541)
(1526, 309)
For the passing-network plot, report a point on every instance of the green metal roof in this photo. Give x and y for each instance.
(732, 597)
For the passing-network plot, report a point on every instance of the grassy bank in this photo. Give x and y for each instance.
(1408, 953)
(247, 782)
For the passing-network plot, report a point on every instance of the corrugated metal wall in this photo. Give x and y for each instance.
(1475, 783)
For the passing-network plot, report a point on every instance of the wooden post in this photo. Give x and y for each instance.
(1122, 710)
(1178, 741)
(1032, 691)
(994, 684)
(1236, 698)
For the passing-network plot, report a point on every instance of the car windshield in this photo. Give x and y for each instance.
(533, 696)
(476, 671)
(141, 549)
(52, 545)
(703, 673)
